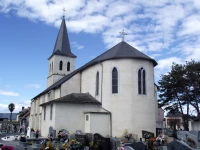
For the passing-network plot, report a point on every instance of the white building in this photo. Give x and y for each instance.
(112, 93)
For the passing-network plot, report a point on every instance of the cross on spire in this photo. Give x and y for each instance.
(123, 34)
(63, 13)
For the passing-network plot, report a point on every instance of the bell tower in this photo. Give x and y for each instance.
(62, 60)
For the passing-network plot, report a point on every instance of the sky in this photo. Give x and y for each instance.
(166, 30)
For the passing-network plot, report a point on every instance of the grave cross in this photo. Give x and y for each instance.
(123, 34)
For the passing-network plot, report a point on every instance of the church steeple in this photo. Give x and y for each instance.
(62, 60)
(62, 46)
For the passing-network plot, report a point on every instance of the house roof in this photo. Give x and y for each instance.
(7, 116)
(120, 51)
(62, 46)
(174, 115)
(75, 98)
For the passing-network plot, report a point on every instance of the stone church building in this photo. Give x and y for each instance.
(112, 93)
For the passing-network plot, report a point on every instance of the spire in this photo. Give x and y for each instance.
(62, 46)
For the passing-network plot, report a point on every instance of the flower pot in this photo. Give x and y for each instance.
(36, 135)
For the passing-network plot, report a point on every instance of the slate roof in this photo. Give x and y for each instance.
(120, 51)
(7, 116)
(62, 46)
(75, 98)
(174, 115)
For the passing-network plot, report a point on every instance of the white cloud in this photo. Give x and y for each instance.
(165, 64)
(35, 86)
(8, 93)
(169, 26)
(18, 105)
(190, 25)
(76, 45)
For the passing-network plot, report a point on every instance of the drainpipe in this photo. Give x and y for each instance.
(60, 91)
(80, 80)
(101, 81)
(110, 124)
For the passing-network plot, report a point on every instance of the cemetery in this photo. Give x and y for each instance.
(63, 140)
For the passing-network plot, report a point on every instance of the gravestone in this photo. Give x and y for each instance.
(82, 139)
(147, 134)
(32, 134)
(113, 143)
(162, 148)
(28, 132)
(104, 142)
(128, 148)
(178, 145)
(72, 136)
(137, 145)
(52, 132)
(78, 132)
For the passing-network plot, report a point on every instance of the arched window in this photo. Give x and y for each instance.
(51, 111)
(141, 81)
(97, 84)
(44, 112)
(68, 66)
(114, 80)
(52, 67)
(60, 65)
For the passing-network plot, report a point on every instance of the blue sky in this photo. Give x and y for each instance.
(166, 30)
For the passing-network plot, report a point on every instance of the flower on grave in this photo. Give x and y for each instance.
(97, 144)
(73, 144)
(91, 144)
(7, 148)
(32, 130)
(63, 134)
(37, 131)
(128, 136)
(121, 148)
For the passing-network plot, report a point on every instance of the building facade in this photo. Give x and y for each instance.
(113, 93)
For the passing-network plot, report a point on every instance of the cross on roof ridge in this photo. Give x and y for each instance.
(123, 34)
(63, 12)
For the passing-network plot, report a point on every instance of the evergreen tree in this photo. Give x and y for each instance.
(180, 89)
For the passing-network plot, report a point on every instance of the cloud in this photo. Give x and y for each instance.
(18, 105)
(76, 45)
(168, 27)
(164, 65)
(8, 93)
(35, 86)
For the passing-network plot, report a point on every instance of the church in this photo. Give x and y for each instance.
(113, 93)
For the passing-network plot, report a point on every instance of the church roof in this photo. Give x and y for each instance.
(75, 98)
(120, 51)
(62, 46)
(123, 50)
